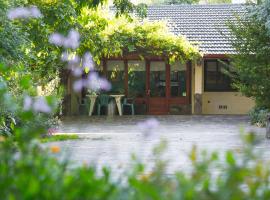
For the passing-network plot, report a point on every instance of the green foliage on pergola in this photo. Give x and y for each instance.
(106, 36)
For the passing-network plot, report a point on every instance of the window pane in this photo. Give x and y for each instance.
(178, 80)
(224, 81)
(136, 78)
(215, 78)
(211, 74)
(116, 75)
(157, 79)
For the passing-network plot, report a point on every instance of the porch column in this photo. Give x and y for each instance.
(198, 86)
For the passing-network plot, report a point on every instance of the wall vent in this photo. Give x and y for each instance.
(222, 107)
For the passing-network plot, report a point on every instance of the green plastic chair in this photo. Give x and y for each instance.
(128, 102)
(83, 105)
(103, 101)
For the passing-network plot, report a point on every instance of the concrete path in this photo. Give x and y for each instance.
(111, 141)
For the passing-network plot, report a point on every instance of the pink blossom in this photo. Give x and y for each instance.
(27, 103)
(148, 127)
(40, 105)
(24, 12)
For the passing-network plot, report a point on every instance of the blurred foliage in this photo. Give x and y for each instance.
(28, 170)
(62, 137)
(251, 39)
(11, 102)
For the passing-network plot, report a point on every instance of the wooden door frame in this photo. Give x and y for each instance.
(169, 100)
(167, 85)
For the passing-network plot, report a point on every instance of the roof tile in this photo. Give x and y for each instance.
(205, 24)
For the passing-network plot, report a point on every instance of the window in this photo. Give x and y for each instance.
(214, 77)
(136, 78)
(116, 76)
(178, 80)
(157, 79)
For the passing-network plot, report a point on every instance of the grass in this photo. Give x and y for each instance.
(63, 137)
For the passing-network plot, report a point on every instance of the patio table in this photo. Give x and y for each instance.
(117, 98)
(92, 98)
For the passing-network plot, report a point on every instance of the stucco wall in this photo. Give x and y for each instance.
(225, 103)
(216, 102)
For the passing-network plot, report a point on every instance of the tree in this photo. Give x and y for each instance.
(12, 39)
(251, 39)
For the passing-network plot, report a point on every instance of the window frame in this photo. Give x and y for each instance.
(224, 87)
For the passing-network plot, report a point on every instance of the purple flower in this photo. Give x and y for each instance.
(78, 85)
(71, 41)
(24, 12)
(74, 60)
(88, 61)
(35, 12)
(105, 84)
(56, 39)
(148, 127)
(40, 105)
(77, 71)
(27, 103)
(96, 83)
(92, 81)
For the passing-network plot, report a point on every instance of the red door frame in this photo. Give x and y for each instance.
(148, 100)
(157, 105)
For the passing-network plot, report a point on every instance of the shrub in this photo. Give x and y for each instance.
(28, 171)
(258, 116)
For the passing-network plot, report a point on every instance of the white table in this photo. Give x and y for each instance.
(117, 98)
(92, 98)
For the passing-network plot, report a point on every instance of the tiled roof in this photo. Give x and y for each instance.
(200, 23)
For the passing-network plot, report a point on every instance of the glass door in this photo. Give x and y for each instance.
(157, 103)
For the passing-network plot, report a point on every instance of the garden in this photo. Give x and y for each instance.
(41, 42)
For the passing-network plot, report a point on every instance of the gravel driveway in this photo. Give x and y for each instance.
(111, 141)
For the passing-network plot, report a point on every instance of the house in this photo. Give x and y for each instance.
(195, 87)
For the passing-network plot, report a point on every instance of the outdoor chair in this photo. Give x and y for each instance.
(83, 105)
(128, 102)
(103, 101)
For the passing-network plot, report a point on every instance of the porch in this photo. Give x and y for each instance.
(154, 86)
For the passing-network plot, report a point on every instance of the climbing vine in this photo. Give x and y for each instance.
(107, 36)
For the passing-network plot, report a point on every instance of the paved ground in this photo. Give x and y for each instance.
(110, 141)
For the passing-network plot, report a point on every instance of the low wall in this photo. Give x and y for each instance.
(225, 103)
